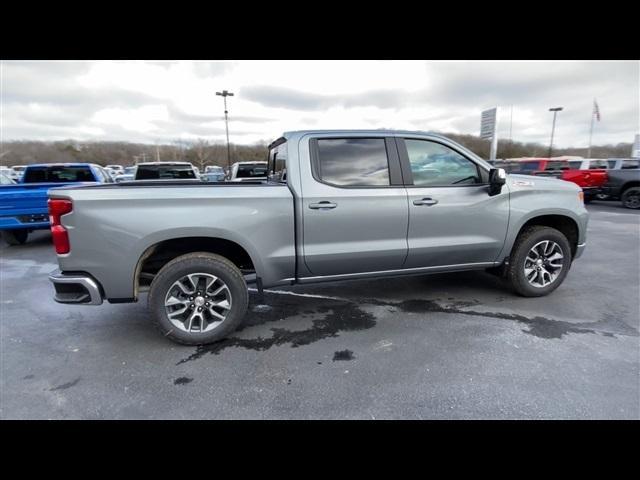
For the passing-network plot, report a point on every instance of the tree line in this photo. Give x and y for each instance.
(202, 152)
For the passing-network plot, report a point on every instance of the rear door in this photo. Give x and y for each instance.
(355, 213)
(452, 218)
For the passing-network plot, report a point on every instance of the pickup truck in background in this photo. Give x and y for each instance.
(165, 171)
(624, 185)
(23, 206)
(336, 205)
(248, 171)
(588, 175)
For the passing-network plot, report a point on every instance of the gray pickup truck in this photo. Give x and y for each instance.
(336, 205)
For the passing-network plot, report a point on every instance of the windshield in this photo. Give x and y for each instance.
(58, 174)
(155, 172)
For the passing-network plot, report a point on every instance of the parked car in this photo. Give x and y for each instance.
(624, 185)
(128, 174)
(17, 172)
(213, 173)
(165, 171)
(6, 179)
(248, 172)
(24, 205)
(353, 204)
(116, 168)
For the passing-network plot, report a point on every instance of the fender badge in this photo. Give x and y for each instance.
(523, 183)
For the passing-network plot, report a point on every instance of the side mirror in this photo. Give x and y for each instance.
(497, 178)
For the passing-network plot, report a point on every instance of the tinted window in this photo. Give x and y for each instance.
(155, 172)
(58, 174)
(557, 166)
(258, 170)
(435, 164)
(353, 161)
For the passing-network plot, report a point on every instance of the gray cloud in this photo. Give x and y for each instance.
(46, 100)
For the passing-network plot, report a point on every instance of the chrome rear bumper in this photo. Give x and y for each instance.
(75, 288)
(579, 250)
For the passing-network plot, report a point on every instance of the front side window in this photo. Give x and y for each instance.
(353, 161)
(433, 164)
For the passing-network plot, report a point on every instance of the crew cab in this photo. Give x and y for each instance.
(23, 206)
(337, 205)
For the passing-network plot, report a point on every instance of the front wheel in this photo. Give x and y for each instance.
(198, 298)
(631, 198)
(539, 261)
(15, 237)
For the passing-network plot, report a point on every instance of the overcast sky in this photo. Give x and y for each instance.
(165, 101)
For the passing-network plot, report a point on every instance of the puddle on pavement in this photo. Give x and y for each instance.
(330, 317)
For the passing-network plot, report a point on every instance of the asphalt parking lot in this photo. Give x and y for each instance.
(428, 347)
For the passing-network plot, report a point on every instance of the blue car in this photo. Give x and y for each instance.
(23, 206)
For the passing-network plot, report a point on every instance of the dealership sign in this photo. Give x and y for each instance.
(488, 123)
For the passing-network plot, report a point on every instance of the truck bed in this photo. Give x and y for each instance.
(113, 225)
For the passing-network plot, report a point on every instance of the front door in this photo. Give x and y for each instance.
(452, 218)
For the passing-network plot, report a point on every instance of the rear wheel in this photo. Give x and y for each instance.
(198, 298)
(631, 198)
(539, 261)
(15, 237)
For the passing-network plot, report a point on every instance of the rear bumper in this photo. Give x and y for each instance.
(579, 250)
(74, 288)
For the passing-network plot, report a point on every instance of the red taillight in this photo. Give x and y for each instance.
(59, 234)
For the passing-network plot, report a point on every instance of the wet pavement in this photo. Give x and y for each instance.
(460, 345)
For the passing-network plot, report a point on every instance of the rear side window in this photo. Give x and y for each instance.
(154, 172)
(258, 170)
(557, 166)
(353, 161)
(58, 175)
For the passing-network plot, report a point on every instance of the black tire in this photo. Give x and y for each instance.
(524, 243)
(15, 237)
(199, 262)
(631, 198)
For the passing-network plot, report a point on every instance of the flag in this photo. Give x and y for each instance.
(596, 110)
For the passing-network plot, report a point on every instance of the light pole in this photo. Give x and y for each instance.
(224, 94)
(553, 128)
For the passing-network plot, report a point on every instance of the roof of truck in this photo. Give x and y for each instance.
(383, 131)
(64, 164)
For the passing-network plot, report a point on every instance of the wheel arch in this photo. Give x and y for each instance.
(164, 248)
(564, 221)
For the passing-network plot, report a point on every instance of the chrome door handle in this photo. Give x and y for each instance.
(322, 205)
(425, 201)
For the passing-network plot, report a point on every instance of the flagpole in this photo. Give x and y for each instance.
(590, 136)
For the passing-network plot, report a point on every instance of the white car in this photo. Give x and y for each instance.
(17, 171)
